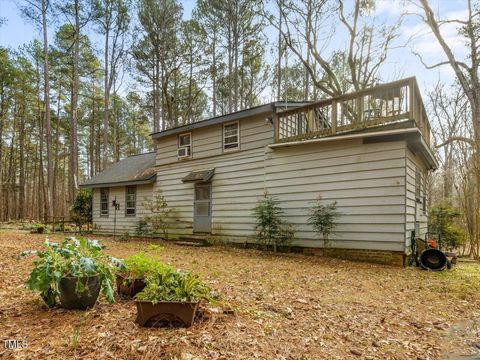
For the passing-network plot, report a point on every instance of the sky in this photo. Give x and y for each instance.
(401, 63)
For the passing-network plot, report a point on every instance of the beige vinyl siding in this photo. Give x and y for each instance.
(124, 223)
(414, 209)
(238, 180)
(367, 181)
(255, 133)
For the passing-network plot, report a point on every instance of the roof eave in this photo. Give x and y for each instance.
(149, 180)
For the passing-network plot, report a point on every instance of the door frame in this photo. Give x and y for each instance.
(209, 216)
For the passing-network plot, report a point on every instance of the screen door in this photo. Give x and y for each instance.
(202, 213)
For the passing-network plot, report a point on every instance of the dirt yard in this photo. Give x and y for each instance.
(286, 306)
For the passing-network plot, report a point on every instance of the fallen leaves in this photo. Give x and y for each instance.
(283, 306)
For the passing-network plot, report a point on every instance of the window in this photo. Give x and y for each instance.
(130, 200)
(231, 140)
(184, 145)
(418, 185)
(104, 202)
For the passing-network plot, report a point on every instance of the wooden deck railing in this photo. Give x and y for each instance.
(380, 105)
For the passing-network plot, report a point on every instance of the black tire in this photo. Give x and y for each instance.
(433, 259)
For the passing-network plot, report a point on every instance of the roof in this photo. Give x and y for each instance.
(132, 170)
(199, 176)
(257, 110)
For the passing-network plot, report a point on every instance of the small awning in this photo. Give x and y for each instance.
(199, 176)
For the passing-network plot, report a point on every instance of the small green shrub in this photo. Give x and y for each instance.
(444, 220)
(323, 218)
(158, 214)
(168, 284)
(37, 229)
(271, 230)
(73, 257)
(81, 210)
(140, 265)
(142, 228)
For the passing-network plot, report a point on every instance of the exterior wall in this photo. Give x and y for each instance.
(123, 223)
(367, 181)
(415, 218)
(238, 180)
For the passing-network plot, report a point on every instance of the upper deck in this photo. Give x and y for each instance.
(384, 104)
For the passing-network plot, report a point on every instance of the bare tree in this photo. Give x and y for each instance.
(467, 74)
(307, 31)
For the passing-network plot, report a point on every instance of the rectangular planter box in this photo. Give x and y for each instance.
(166, 313)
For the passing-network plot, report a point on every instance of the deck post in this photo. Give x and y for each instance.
(334, 117)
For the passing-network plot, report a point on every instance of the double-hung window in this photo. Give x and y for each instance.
(130, 200)
(231, 137)
(103, 201)
(184, 146)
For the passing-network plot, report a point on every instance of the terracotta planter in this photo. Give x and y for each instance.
(128, 287)
(166, 313)
(69, 299)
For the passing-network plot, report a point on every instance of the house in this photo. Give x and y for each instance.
(368, 150)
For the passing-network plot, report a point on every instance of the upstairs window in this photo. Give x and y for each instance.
(104, 202)
(130, 200)
(231, 139)
(184, 146)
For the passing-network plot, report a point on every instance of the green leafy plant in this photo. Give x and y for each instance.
(158, 213)
(323, 218)
(168, 284)
(81, 210)
(271, 230)
(142, 228)
(140, 265)
(73, 257)
(444, 220)
(37, 229)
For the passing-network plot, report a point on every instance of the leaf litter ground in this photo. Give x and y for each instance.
(285, 306)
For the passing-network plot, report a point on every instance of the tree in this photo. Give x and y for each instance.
(112, 18)
(467, 74)
(37, 10)
(81, 211)
(306, 30)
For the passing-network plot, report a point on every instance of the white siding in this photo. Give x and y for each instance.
(124, 223)
(367, 181)
(414, 209)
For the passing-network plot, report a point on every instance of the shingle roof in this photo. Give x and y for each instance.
(135, 169)
(265, 108)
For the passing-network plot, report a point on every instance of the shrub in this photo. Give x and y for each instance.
(81, 210)
(37, 229)
(139, 265)
(159, 213)
(73, 257)
(323, 218)
(168, 284)
(444, 220)
(142, 228)
(271, 230)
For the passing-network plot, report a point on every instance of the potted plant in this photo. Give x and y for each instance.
(170, 297)
(131, 280)
(72, 272)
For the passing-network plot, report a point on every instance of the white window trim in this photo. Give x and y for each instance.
(238, 136)
(126, 201)
(108, 202)
(184, 146)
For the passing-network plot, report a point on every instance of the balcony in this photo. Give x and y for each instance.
(371, 109)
